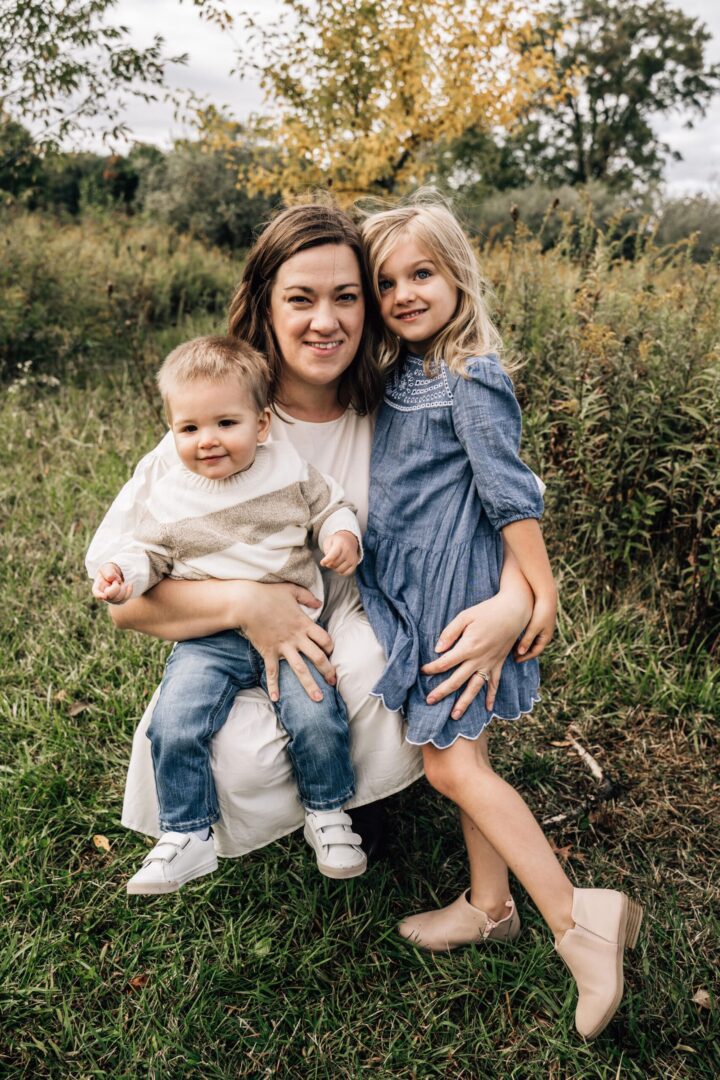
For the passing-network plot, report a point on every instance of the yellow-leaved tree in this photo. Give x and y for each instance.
(359, 91)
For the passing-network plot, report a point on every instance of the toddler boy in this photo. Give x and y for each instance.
(236, 507)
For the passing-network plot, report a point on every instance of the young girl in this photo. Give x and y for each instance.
(448, 496)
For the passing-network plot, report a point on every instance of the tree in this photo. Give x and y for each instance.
(362, 92)
(195, 189)
(19, 161)
(63, 65)
(622, 62)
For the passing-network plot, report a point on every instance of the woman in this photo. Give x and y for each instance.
(305, 301)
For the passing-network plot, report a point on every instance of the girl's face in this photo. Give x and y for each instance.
(317, 310)
(416, 301)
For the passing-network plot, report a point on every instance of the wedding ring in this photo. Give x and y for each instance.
(483, 676)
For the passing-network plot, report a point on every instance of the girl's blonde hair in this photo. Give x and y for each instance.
(428, 219)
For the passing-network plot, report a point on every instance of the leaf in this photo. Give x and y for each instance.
(702, 998)
(138, 982)
(77, 707)
(101, 842)
(566, 853)
(263, 946)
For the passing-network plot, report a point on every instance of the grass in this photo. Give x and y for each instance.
(268, 969)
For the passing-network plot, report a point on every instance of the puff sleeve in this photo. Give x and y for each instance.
(487, 422)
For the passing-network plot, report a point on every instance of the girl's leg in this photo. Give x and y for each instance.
(592, 927)
(463, 773)
(485, 910)
(489, 884)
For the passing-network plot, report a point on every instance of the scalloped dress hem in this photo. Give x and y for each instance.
(461, 735)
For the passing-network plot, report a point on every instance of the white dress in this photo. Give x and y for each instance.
(255, 786)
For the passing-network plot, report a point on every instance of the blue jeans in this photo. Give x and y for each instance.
(202, 677)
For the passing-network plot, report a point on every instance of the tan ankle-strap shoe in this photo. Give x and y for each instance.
(459, 924)
(606, 922)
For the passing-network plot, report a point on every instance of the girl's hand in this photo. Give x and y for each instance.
(273, 621)
(109, 585)
(481, 638)
(342, 553)
(540, 628)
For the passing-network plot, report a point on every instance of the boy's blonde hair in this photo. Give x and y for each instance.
(428, 219)
(213, 359)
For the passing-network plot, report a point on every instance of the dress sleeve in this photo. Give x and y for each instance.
(117, 529)
(487, 422)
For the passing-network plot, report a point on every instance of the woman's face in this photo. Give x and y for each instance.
(317, 310)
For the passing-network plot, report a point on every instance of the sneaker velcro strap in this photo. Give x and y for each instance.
(337, 817)
(168, 847)
(335, 834)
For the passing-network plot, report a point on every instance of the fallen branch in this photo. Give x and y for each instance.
(608, 788)
(587, 758)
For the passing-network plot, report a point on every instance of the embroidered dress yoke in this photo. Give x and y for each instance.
(445, 478)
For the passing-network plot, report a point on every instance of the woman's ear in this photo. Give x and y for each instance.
(264, 419)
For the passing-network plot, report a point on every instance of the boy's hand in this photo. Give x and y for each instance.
(109, 585)
(342, 552)
(540, 628)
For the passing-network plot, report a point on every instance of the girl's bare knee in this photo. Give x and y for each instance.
(442, 771)
(452, 771)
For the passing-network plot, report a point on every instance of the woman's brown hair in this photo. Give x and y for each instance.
(299, 227)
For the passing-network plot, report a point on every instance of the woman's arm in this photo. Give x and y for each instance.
(480, 638)
(270, 616)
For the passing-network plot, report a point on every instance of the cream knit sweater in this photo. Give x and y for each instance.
(256, 525)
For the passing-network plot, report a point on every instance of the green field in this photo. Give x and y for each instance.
(267, 969)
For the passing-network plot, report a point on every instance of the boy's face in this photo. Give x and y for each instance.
(216, 427)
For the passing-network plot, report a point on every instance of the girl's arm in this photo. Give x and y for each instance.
(487, 422)
(525, 541)
(270, 616)
(480, 639)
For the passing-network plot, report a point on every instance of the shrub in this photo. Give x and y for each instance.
(555, 214)
(621, 385)
(85, 294)
(696, 216)
(197, 191)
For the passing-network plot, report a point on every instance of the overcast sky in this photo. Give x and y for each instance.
(211, 55)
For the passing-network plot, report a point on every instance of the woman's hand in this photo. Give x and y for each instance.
(273, 621)
(478, 639)
(270, 616)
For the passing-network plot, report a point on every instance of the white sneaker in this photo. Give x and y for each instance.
(337, 848)
(175, 859)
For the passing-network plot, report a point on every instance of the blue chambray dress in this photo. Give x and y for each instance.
(445, 477)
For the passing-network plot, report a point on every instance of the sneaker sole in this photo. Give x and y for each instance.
(338, 873)
(162, 888)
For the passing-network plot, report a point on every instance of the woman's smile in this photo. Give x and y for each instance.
(324, 346)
